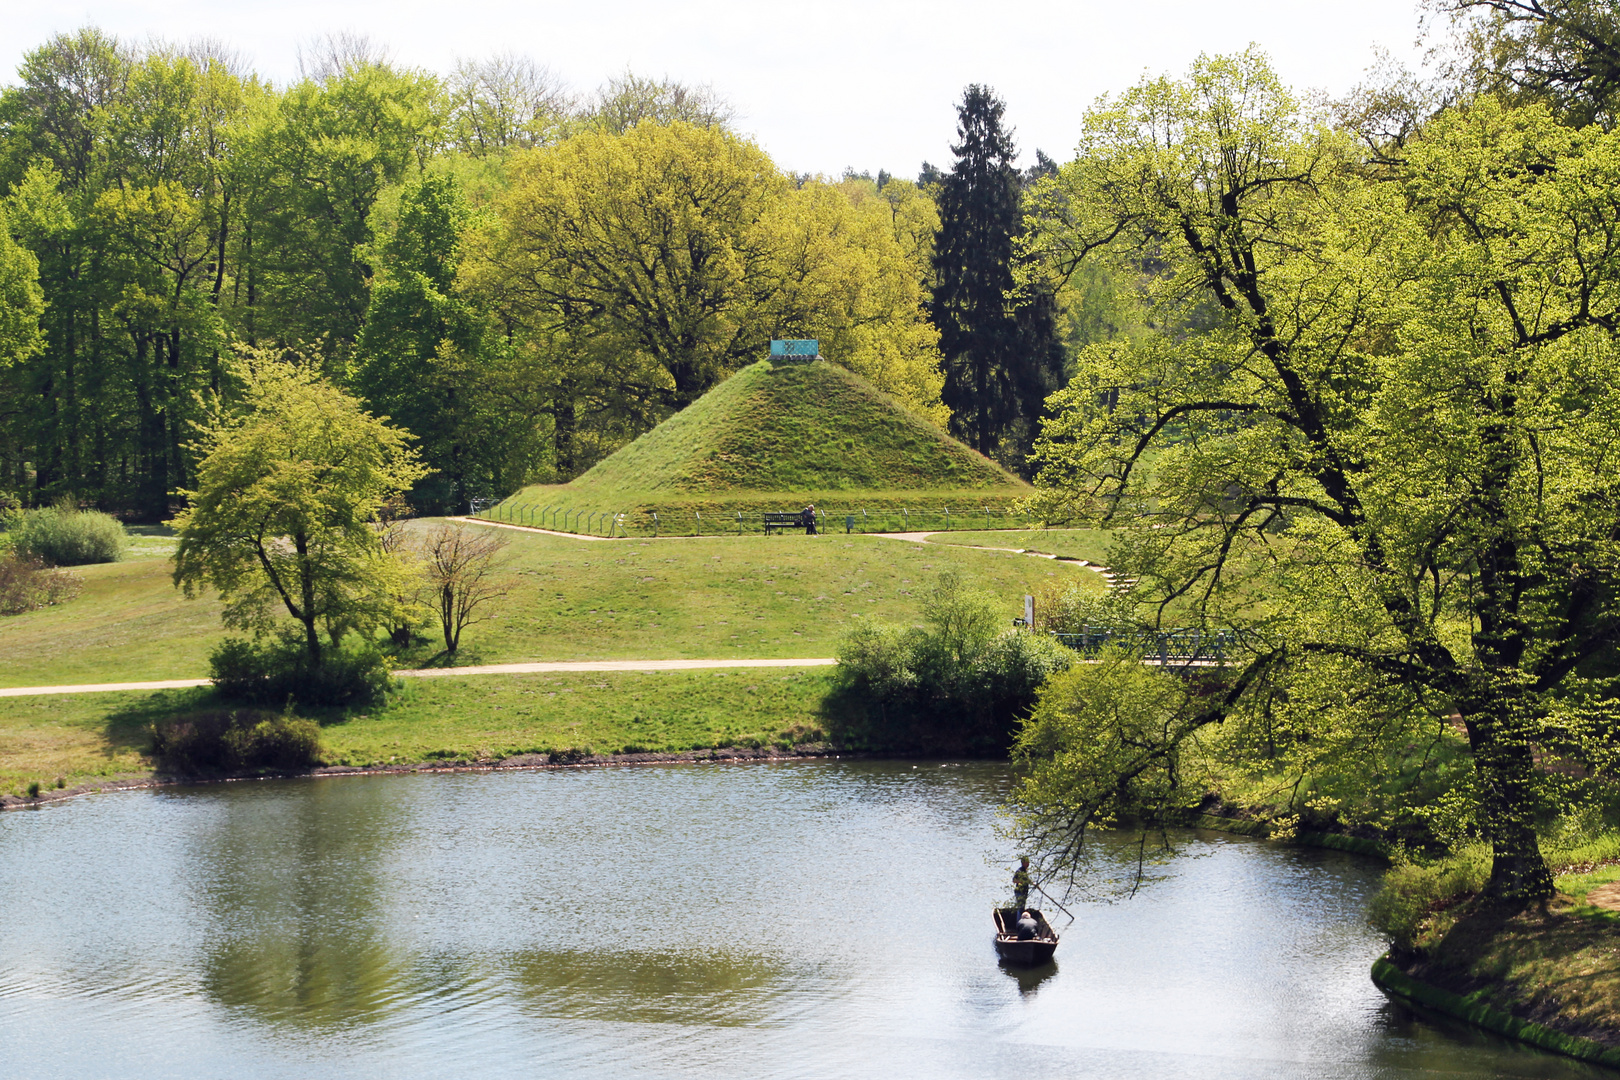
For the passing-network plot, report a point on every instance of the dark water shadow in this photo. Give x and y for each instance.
(1029, 979)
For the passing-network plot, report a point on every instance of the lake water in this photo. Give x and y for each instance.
(826, 919)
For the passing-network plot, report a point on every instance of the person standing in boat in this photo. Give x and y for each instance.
(1021, 887)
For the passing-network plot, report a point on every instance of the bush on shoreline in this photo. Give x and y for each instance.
(66, 536)
(958, 684)
(228, 741)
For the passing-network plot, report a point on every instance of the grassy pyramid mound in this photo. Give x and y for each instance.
(793, 426)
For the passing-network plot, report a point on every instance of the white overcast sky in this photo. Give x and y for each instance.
(822, 84)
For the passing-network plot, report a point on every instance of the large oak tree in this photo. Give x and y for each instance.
(1392, 459)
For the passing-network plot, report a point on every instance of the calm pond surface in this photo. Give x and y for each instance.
(813, 920)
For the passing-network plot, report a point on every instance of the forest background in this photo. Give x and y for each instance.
(523, 278)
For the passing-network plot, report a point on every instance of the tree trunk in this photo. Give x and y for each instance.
(1505, 763)
(306, 584)
(562, 431)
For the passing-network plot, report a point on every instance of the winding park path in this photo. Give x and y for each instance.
(476, 669)
(547, 666)
(909, 537)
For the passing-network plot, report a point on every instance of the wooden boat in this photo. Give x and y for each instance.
(1028, 953)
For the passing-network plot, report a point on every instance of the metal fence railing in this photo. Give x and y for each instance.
(601, 521)
(1161, 646)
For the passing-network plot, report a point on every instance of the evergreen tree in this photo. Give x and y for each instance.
(1001, 358)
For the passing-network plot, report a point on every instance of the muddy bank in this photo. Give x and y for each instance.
(566, 759)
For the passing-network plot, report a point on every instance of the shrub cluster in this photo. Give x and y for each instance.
(1068, 607)
(66, 536)
(1414, 892)
(957, 684)
(277, 670)
(26, 584)
(235, 741)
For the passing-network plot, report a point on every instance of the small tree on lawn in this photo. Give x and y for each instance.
(463, 573)
(282, 515)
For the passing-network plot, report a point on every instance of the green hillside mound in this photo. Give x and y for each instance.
(791, 427)
(774, 436)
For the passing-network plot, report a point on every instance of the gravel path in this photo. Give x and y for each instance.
(479, 669)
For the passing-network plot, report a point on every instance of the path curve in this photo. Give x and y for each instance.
(476, 669)
(922, 538)
(531, 529)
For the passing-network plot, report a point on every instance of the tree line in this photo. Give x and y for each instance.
(522, 278)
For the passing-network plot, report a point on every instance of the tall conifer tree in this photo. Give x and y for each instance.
(1001, 360)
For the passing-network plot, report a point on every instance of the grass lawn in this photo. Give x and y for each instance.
(1555, 962)
(129, 623)
(87, 737)
(1088, 544)
(710, 597)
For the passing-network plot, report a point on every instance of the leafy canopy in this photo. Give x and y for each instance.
(1391, 457)
(282, 515)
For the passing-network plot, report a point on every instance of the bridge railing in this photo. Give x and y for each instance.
(1178, 646)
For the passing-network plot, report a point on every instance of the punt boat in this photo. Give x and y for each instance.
(1028, 953)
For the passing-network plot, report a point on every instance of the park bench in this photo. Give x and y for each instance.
(776, 522)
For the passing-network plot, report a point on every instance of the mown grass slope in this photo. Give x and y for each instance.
(753, 596)
(86, 738)
(789, 427)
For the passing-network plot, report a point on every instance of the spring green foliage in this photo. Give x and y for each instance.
(1069, 606)
(1397, 431)
(1561, 53)
(423, 363)
(449, 250)
(282, 517)
(640, 268)
(960, 682)
(66, 536)
(21, 300)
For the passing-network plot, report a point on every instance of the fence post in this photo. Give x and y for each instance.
(906, 516)
(699, 523)
(987, 517)
(947, 519)
(863, 522)
(739, 523)
(655, 523)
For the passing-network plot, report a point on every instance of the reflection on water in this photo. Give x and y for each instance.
(815, 919)
(1029, 979)
(292, 919)
(707, 987)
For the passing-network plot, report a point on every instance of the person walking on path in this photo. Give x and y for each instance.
(1021, 886)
